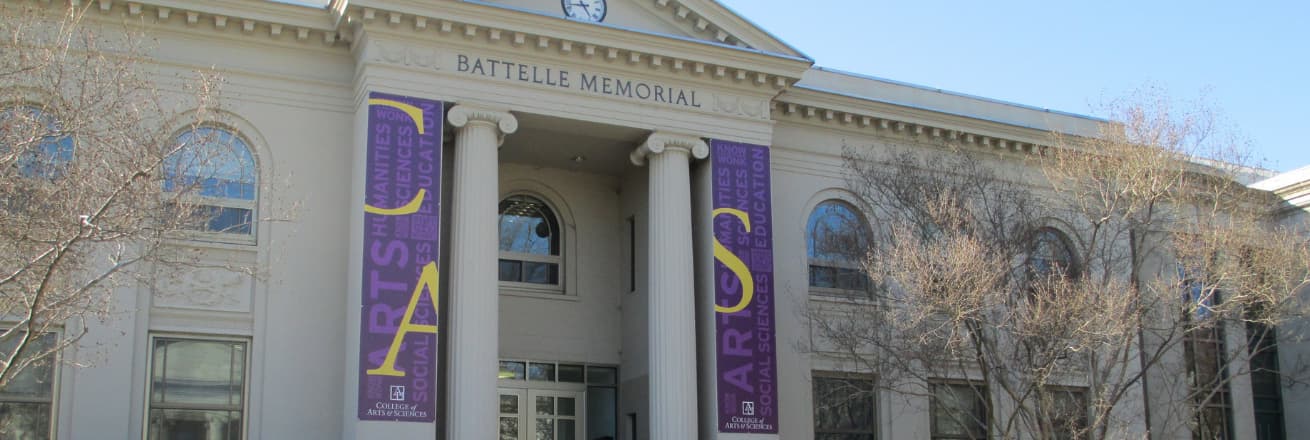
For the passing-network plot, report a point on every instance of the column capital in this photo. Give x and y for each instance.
(657, 142)
(463, 114)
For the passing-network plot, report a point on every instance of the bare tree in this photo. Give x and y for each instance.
(94, 179)
(1051, 288)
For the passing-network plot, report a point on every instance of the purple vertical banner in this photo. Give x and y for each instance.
(402, 213)
(743, 288)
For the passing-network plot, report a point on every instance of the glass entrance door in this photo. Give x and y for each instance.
(527, 414)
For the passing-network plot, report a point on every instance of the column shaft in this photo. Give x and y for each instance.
(474, 297)
(671, 290)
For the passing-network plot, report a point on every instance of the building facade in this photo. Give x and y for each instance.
(601, 144)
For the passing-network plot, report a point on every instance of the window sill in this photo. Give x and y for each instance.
(842, 296)
(521, 290)
(214, 239)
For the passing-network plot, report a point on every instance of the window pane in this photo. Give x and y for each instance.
(211, 162)
(602, 412)
(546, 429)
(48, 157)
(186, 424)
(24, 420)
(851, 279)
(540, 273)
(602, 375)
(958, 410)
(566, 406)
(510, 270)
(835, 234)
(198, 372)
(528, 226)
(224, 219)
(823, 276)
(545, 406)
(509, 428)
(542, 372)
(513, 370)
(1050, 254)
(509, 404)
(844, 405)
(568, 430)
(570, 373)
(36, 380)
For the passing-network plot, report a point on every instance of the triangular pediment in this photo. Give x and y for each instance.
(703, 20)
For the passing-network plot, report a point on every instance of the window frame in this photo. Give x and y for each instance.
(862, 228)
(203, 201)
(564, 289)
(244, 407)
(54, 383)
(874, 394)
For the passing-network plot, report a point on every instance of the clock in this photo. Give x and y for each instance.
(584, 10)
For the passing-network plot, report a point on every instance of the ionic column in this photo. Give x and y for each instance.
(672, 332)
(474, 297)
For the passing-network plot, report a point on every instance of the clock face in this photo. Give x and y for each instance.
(585, 10)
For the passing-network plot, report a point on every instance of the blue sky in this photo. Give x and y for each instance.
(1249, 59)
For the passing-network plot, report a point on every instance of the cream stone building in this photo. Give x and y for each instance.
(580, 135)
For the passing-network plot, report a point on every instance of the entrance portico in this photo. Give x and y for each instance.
(545, 112)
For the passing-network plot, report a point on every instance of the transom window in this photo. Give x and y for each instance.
(197, 389)
(216, 170)
(529, 242)
(836, 244)
(844, 407)
(46, 148)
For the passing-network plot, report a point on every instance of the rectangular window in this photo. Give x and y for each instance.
(844, 407)
(197, 389)
(1266, 386)
(27, 401)
(1204, 348)
(959, 411)
(1064, 413)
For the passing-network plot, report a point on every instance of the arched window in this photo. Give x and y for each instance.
(529, 241)
(1051, 255)
(216, 171)
(47, 149)
(836, 243)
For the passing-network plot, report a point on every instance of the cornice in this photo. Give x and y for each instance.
(885, 119)
(568, 38)
(253, 18)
